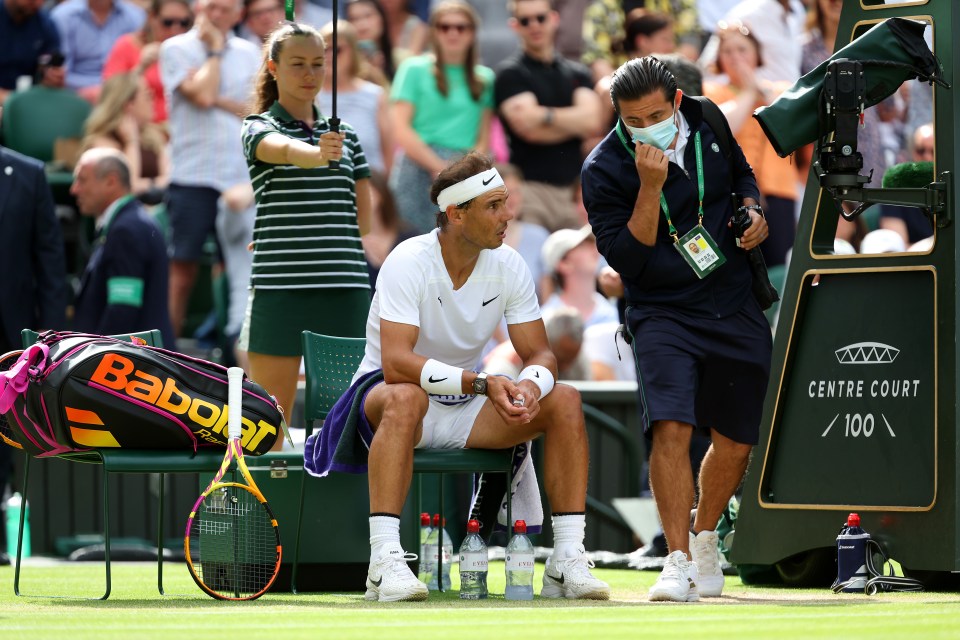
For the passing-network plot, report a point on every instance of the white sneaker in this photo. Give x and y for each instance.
(677, 581)
(571, 578)
(706, 555)
(389, 579)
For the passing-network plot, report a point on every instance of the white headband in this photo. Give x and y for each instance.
(469, 189)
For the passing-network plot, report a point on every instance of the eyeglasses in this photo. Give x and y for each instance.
(526, 20)
(734, 26)
(923, 151)
(182, 22)
(459, 28)
(340, 49)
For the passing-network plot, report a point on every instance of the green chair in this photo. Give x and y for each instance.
(778, 278)
(34, 119)
(122, 461)
(330, 363)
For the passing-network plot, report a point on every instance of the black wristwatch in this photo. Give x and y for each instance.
(480, 384)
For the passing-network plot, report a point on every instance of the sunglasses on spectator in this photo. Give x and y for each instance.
(459, 28)
(526, 20)
(183, 22)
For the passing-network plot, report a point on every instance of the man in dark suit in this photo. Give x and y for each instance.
(33, 289)
(124, 286)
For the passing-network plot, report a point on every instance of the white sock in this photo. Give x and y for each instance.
(568, 532)
(383, 530)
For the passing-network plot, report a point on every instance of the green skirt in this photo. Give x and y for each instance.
(276, 317)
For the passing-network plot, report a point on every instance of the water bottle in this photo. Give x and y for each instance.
(519, 565)
(446, 549)
(426, 559)
(14, 504)
(473, 564)
(852, 556)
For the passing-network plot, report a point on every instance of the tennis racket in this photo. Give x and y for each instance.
(232, 541)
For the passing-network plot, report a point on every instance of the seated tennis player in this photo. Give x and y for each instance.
(439, 298)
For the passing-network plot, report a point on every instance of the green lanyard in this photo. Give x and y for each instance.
(663, 201)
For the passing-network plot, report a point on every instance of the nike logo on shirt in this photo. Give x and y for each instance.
(491, 300)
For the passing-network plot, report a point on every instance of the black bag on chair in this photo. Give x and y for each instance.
(73, 392)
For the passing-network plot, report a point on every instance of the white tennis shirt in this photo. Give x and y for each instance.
(414, 288)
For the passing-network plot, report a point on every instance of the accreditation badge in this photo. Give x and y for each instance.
(700, 251)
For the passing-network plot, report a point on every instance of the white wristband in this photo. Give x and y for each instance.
(539, 376)
(441, 379)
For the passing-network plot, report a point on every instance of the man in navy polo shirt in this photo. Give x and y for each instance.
(26, 32)
(657, 191)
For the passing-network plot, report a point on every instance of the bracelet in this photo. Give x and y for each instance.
(548, 117)
(215, 54)
(539, 376)
(441, 379)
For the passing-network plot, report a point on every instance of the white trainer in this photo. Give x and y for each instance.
(677, 581)
(571, 578)
(706, 555)
(389, 579)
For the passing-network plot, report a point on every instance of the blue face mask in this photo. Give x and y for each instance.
(658, 135)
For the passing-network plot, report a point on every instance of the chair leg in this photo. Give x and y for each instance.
(509, 504)
(23, 511)
(296, 546)
(162, 478)
(106, 530)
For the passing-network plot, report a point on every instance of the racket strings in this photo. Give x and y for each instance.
(233, 543)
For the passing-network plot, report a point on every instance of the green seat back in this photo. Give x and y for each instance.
(330, 363)
(153, 338)
(35, 118)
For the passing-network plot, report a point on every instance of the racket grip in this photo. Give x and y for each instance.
(234, 401)
(334, 165)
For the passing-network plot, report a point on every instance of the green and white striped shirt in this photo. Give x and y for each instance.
(306, 234)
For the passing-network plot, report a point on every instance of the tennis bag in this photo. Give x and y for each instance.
(74, 392)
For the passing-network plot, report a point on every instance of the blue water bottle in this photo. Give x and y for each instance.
(852, 573)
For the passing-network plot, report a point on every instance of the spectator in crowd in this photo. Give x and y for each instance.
(27, 32)
(207, 75)
(387, 228)
(370, 21)
(122, 120)
(88, 30)
(778, 26)
(260, 18)
(570, 257)
(910, 222)
(564, 333)
(605, 30)
(526, 238)
(441, 105)
(703, 346)
(308, 267)
(548, 107)
(33, 291)
(739, 58)
(360, 102)
(51, 71)
(124, 286)
(139, 51)
(408, 33)
(609, 356)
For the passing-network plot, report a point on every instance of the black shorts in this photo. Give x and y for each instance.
(193, 214)
(708, 372)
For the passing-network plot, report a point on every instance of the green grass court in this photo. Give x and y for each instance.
(136, 611)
